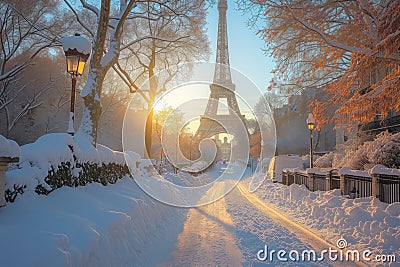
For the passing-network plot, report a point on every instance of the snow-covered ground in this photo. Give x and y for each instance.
(365, 223)
(94, 225)
(230, 232)
(120, 225)
(185, 179)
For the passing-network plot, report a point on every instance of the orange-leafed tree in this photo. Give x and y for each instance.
(255, 144)
(350, 49)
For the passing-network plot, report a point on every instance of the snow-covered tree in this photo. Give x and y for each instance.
(350, 48)
(180, 39)
(110, 38)
(25, 31)
(383, 149)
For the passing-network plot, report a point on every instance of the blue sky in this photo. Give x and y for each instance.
(245, 47)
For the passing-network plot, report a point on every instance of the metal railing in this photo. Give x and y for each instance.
(385, 187)
(319, 182)
(302, 178)
(334, 178)
(361, 185)
(389, 188)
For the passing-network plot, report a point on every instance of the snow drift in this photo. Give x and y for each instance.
(365, 223)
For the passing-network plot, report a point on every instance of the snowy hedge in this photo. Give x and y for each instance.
(57, 160)
(325, 161)
(383, 149)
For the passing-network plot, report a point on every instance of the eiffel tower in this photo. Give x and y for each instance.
(222, 87)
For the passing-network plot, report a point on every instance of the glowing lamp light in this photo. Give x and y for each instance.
(310, 125)
(75, 62)
(310, 121)
(77, 51)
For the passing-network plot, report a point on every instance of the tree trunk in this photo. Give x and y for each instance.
(91, 92)
(149, 132)
(91, 96)
(152, 96)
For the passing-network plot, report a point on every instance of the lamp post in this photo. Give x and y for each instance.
(310, 125)
(77, 51)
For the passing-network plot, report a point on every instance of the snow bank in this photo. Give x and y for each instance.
(117, 225)
(187, 180)
(325, 161)
(50, 151)
(196, 166)
(9, 148)
(85, 151)
(363, 222)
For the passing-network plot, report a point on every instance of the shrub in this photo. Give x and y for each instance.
(86, 173)
(325, 161)
(383, 149)
(387, 153)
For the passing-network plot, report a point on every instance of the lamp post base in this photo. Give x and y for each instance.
(71, 129)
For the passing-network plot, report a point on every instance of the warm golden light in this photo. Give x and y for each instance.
(75, 64)
(310, 121)
(81, 67)
(72, 64)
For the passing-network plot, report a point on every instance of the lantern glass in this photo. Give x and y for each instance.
(81, 66)
(72, 64)
(310, 126)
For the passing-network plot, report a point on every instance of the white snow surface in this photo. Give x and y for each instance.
(380, 169)
(347, 171)
(81, 44)
(95, 225)
(196, 166)
(365, 223)
(38, 158)
(50, 150)
(119, 225)
(9, 148)
(315, 171)
(71, 123)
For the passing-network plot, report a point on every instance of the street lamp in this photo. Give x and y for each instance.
(310, 125)
(77, 51)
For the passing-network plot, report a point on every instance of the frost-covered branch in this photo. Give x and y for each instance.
(153, 37)
(78, 19)
(31, 104)
(90, 7)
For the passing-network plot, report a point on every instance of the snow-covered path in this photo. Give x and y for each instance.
(230, 232)
(208, 237)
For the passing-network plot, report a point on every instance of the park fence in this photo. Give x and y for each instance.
(381, 182)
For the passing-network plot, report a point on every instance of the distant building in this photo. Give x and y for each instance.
(291, 128)
(223, 148)
(391, 122)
